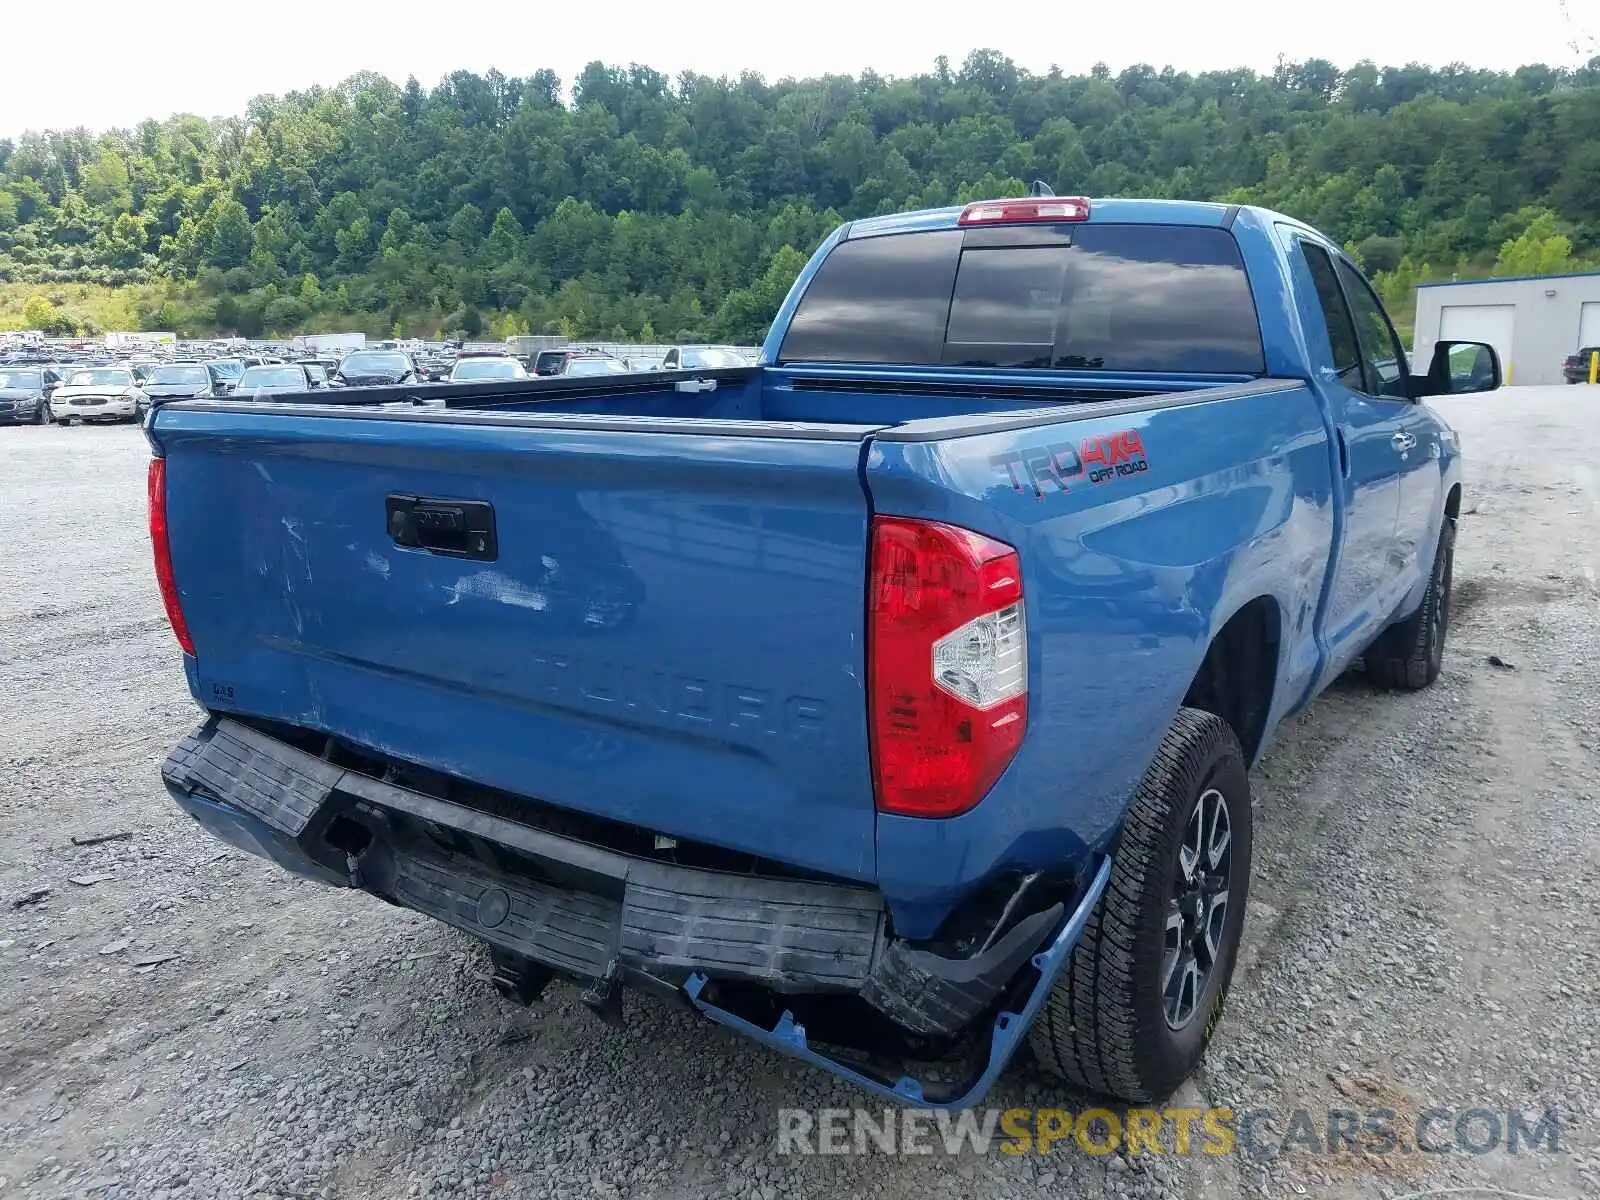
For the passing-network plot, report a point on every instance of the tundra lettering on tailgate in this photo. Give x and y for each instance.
(1098, 458)
(682, 699)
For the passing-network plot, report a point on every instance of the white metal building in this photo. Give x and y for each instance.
(1532, 321)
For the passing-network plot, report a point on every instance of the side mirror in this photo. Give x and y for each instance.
(1461, 368)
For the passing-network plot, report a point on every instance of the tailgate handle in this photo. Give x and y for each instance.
(458, 528)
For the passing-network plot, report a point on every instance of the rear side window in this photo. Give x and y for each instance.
(1106, 297)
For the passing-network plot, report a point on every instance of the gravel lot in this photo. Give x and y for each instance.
(1422, 931)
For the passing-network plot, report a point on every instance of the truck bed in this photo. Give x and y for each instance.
(842, 403)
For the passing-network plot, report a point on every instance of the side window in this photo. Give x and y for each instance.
(1336, 315)
(1382, 355)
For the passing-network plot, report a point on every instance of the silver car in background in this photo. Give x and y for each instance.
(98, 394)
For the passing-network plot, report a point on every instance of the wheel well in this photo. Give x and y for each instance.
(1236, 679)
(1452, 503)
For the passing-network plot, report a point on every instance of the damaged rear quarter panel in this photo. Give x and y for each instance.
(1127, 574)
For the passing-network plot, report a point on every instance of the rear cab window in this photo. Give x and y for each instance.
(1084, 297)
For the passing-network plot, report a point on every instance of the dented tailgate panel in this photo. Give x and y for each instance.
(663, 629)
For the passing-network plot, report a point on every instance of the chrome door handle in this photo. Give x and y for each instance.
(1403, 442)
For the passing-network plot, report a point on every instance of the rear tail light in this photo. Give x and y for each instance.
(947, 665)
(1008, 212)
(163, 554)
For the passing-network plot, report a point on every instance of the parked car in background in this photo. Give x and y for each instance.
(484, 367)
(1575, 367)
(702, 358)
(375, 368)
(550, 362)
(276, 377)
(435, 368)
(229, 368)
(593, 364)
(317, 372)
(98, 394)
(25, 395)
(185, 381)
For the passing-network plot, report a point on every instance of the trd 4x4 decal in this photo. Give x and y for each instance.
(1098, 459)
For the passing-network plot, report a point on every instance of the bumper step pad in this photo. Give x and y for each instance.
(676, 927)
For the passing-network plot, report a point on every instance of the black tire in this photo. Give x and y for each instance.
(1107, 1024)
(42, 417)
(1408, 655)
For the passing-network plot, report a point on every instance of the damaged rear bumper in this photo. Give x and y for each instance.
(603, 917)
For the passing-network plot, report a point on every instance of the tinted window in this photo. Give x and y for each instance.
(878, 300)
(1009, 297)
(1118, 298)
(1158, 298)
(1382, 356)
(1336, 315)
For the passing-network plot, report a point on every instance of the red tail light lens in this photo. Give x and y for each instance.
(947, 665)
(163, 553)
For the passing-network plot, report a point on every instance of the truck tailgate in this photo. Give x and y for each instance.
(664, 628)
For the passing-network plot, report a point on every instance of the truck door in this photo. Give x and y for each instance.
(1416, 439)
(1365, 575)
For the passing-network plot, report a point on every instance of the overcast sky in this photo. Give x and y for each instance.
(103, 64)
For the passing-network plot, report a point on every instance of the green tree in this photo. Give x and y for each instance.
(226, 240)
(665, 203)
(1541, 249)
(747, 312)
(37, 313)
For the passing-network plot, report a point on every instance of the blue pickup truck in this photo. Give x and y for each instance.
(889, 701)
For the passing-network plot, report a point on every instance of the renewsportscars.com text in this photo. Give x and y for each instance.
(1254, 1133)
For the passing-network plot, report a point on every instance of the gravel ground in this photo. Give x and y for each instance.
(178, 1020)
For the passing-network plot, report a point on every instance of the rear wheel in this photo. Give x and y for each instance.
(1408, 656)
(1131, 1014)
(42, 417)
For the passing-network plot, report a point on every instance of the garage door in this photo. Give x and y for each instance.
(1589, 326)
(1492, 323)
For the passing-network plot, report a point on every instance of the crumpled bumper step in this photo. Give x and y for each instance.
(1005, 1035)
(238, 766)
(571, 931)
(674, 924)
(670, 919)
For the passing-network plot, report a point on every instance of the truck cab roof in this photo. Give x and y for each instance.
(1153, 212)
